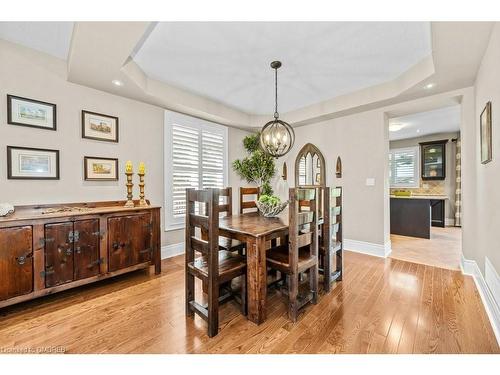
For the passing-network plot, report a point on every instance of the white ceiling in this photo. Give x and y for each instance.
(229, 61)
(53, 38)
(442, 120)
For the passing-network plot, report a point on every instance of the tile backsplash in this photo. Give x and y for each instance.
(426, 188)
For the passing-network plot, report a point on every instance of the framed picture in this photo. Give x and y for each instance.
(99, 127)
(100, 169)
(30, 112)
(486, 141)
(24, 163)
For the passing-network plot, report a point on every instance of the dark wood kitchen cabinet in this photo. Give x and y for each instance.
(433, 160)
(45, 249)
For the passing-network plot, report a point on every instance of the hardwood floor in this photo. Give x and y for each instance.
(382, 306)
(442, 250)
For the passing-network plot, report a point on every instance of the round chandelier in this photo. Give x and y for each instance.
(277, 136)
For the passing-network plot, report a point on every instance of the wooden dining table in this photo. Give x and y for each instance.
(256, 231)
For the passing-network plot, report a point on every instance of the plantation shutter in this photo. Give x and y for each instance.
(403, 167)
(195, 157)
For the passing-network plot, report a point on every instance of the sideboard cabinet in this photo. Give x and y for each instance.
(49, 248)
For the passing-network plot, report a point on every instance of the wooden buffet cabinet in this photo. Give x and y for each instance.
(45, 249)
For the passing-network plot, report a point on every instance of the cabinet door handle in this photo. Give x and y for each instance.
(21, 260)
(116, 246)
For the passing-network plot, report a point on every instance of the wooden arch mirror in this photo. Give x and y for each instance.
(310, 167)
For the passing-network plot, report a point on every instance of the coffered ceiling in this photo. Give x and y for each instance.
(229, 61)
(220, 71)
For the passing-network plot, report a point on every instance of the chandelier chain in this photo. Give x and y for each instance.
(276, 114)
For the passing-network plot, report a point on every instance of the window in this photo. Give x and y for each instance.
(403, 167)
(195, 157)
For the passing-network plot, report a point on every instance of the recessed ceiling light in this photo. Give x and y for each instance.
(418, 130)
(396, 127)
(117, 82)
(429, 86)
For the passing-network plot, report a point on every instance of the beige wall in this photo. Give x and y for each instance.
(31, 74)
(447, 186)
(361, 141)
(485, 182)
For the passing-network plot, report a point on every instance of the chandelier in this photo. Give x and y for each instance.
(276, 137)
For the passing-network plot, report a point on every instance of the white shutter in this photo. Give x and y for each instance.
(185, 166)
(195, 157)
(403, 167)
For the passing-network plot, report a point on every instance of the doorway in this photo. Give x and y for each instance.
(424, 182)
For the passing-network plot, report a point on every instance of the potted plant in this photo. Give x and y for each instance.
(259, 168)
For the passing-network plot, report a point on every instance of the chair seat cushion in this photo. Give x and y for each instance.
(230, 244)
(278, 258)
(230, 265)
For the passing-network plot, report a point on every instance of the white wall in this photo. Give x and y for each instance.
(486, 183)
(31, 74)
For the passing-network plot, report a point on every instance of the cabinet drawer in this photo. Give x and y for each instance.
(16, 261)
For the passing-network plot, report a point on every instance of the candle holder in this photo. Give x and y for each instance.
(130, 202)
(142, 200)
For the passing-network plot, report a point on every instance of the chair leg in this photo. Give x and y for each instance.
(327, 272)
(213, 309)
(313, 279)
(244, 309)
(189, 293)
(293, 293)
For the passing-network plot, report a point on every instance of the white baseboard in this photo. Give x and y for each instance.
(172, 250)
(449, 222)
(488, 290)
(368, 248)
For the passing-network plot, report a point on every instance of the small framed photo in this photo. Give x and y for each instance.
(30, 112)
(100, 169)
(486, 140)
(99, 127)
(24, 163)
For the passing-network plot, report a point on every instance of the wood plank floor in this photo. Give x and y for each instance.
(382, 306)
(442, 250)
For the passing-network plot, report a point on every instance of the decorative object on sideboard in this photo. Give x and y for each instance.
(142, 171)
(57, 210)
(31, 112)
(26, 163)
(284, 175)
(338, 168)
(485, 133)
(99, 127)
(100, 169)
(310, 167)
(129, 172)
(277, 136)
(6, 209)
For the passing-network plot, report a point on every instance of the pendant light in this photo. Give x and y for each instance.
(276, 137)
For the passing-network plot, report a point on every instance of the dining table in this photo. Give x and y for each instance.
(256, 231)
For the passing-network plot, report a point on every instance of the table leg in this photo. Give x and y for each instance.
(256, 279)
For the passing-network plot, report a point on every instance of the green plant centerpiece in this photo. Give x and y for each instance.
(259, 168)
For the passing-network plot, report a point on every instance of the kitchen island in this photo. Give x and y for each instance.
(413, 215)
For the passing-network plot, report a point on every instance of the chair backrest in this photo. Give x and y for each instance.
(303, 225)
(248, 204)
(227, 206)
(208, 222)
(332, 206)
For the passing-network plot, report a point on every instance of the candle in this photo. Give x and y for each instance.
(142, 168)
(128, 167)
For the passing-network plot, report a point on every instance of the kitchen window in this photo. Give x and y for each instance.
(404, 167)
(195, 157)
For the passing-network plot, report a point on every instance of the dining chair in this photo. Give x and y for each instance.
(330, 242)
(205, 261)
(300, 255)
(226, 208)
(247, 205)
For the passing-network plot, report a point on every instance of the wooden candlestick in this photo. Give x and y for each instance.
(142, 200)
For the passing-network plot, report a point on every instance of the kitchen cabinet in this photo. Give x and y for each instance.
(433, 160)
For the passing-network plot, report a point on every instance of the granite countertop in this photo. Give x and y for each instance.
(444, 197)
